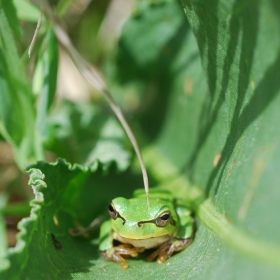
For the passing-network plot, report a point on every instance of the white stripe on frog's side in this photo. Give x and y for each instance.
(146, 243)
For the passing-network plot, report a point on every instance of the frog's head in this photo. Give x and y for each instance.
(132, 219)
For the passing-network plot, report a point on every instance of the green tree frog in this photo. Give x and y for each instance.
(166, 226)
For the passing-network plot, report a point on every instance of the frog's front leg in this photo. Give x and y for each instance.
(115, 253)
(167, 249)
(182, 240)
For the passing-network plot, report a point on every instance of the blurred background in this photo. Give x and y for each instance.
(94, 27)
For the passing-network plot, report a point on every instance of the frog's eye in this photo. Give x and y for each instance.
(163, 219)
(112, 211)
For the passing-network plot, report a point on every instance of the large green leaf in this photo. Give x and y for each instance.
(235, 117)
(227, 109)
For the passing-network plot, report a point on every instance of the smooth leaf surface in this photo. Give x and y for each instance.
(234, 119)
(244, 94)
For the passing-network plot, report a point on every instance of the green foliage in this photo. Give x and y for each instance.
(10, 13)
(26, 11)
(49, 64)
(101, 136)
(206, 92)
(17, 115)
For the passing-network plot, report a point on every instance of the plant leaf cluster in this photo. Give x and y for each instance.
(202, 79)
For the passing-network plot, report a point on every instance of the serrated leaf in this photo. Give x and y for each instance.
(64, 195)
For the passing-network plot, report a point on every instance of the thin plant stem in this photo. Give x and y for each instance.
(91, 75)
(35, 34)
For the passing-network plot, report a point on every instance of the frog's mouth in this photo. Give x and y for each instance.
(147, 243)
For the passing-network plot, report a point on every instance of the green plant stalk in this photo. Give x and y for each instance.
(21, 209)
(3, 239)
(236, 238)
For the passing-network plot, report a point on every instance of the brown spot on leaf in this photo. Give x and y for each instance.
(230, 169)
(217, 159)
(188, 85)
(55, 220)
